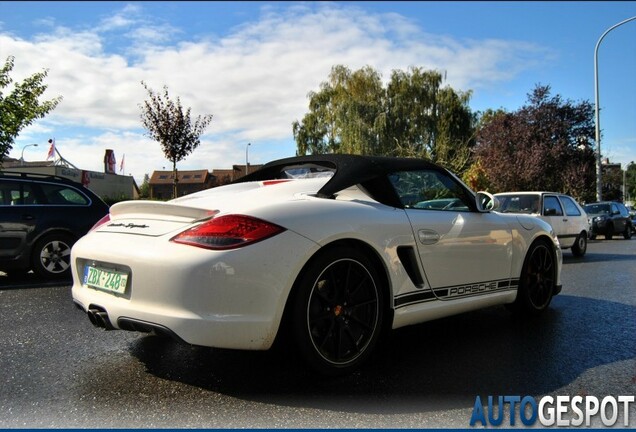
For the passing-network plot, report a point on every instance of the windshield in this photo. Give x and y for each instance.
(597, 208)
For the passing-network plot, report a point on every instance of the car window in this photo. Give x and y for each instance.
(597, 208)
(614, 209)
(571, 209)
(429, 190)
(551, 206)
(623, 210)
(17, 193)
(63, 195)
(523, 203)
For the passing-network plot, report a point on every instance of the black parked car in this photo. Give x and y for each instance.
(41, 217)
(608, 219)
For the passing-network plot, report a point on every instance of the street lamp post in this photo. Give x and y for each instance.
(247, 164)
(22, 154)
(599, 167)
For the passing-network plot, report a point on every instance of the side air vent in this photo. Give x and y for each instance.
(409, 262)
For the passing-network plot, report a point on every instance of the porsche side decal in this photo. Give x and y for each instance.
(456, 292)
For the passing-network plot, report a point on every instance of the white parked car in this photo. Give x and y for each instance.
(562, 212)
(328, 251)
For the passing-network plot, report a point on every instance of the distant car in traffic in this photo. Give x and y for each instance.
(609, 218)
(632, 216)
(41, 217)
(567, 218)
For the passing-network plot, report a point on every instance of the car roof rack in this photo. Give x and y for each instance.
(36, 176)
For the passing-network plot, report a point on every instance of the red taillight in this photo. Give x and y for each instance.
(273, 182)
(100, 222)
(227, 232)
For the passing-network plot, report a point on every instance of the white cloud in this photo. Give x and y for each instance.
(124, 18)
(254, 80)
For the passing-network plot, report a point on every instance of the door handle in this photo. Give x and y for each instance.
(428, 237)
(28, 217)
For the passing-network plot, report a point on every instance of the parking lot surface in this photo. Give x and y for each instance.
(60, 372)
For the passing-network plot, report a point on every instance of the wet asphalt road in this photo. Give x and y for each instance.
(58, 371)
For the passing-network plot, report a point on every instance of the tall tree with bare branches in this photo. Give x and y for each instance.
(166, 122)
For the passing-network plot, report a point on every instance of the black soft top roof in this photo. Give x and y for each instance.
(369, 172)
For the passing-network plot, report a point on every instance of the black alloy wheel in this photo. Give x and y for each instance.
(538, 279)
(338, 311)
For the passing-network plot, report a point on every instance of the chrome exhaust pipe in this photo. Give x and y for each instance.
(99, 319)
(92, 317)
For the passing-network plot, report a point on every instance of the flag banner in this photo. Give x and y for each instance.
(51, 149)
(110, 163)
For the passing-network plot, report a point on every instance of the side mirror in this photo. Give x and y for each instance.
(486, 202)
(550, 212)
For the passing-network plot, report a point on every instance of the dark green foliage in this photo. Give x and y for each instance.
(412, 116)
(544, 145)
(21, 106)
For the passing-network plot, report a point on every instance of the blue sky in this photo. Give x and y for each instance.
(251, 65)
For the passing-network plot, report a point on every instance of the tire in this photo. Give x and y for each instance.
(627, 234)
(538, 280)
(580, 245)
(338, 311)
(609, 231)
(51, 257)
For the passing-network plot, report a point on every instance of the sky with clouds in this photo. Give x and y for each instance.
(252, 64)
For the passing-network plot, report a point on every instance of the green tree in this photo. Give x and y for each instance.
(144, 189)
(454, 128)
(612, 186)
(413, 117)
(475, 177)
(630, 182)
(344, 115)
(168, 123)
(21, 107)
(545, 145)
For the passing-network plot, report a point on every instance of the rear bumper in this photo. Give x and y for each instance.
(226, 299)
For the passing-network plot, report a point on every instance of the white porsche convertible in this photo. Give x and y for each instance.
(331, 250)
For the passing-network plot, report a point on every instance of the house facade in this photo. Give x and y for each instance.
(161, 182)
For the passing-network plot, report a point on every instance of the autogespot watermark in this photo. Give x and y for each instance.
(551, 411)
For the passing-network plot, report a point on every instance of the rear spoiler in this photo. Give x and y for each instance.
(145, 208)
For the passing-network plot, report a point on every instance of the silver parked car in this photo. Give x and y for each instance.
(567, 218)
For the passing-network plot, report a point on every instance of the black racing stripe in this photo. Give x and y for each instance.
(416, 297)
(445, 293)
(508, 283)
